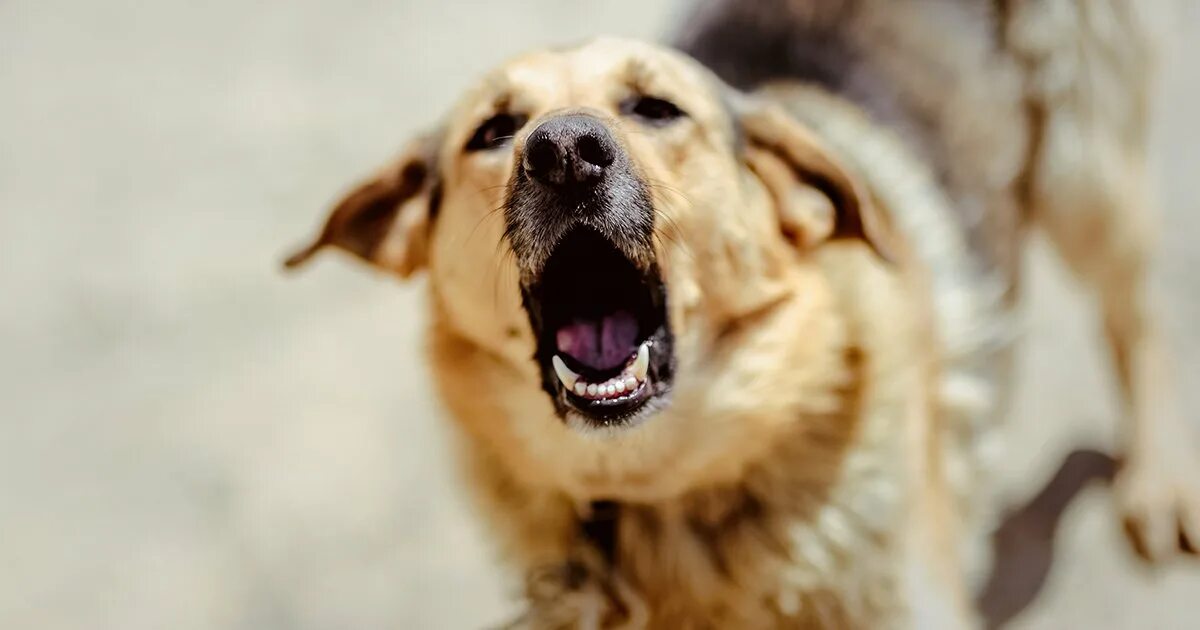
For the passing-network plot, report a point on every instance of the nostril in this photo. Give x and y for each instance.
(594, 151)
(541, 156)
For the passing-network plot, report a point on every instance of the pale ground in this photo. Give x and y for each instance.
(188, 439)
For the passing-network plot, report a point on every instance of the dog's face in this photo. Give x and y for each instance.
(632, 242)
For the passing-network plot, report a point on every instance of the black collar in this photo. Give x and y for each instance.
(599, 528)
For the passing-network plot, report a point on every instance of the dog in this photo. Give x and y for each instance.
(725, 328)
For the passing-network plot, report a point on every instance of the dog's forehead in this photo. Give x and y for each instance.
(589, 73)
(626, 60)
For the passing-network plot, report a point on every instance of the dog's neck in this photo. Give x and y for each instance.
(782, 543)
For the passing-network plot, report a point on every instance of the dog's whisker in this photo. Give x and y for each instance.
(490, 214)
(658, 185)
(674, 234)
(496, 279)
(499, 270)
(491, 188)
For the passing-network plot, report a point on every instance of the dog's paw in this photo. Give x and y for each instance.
(1158, 495)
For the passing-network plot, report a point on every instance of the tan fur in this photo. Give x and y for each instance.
(822, 462)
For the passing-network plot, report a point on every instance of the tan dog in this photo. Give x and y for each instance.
(724, 360)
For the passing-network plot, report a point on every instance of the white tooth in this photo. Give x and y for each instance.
(642, 362)
(580, 388)
(591, 389)
(630, 383)
(611, 390)
(564, 373)
(620, 385)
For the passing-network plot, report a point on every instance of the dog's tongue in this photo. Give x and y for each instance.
(600, 345)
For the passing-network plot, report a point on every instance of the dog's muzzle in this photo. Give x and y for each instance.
(580, 223)
(572, 172)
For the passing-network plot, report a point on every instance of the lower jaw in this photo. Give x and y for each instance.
(610, 412)
(640, 393)
(586, 418)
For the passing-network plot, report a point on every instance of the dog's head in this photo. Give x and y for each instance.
(624, 233)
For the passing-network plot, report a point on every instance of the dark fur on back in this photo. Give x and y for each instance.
(863, 51)
(750, 43)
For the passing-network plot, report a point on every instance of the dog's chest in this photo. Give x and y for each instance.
(735, 558)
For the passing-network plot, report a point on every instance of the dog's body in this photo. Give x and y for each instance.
(807, 442)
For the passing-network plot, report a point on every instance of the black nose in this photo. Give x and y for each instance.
(572, 151)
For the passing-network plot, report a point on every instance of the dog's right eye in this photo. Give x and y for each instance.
(495, 132)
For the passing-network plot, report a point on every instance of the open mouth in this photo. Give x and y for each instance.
(604, 344)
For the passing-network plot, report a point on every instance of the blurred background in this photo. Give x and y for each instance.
(190, 439)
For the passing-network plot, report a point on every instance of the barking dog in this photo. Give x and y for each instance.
(723, 330)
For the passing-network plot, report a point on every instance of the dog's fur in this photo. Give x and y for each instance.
(839, 223)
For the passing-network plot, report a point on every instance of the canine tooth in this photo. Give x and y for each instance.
(620, 385)
(642, 362)
(564, 373)
(580, 388)
(630, 383)
(611, 390)
(591, 389)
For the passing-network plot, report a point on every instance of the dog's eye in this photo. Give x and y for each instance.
(495, 132)
(652, 110)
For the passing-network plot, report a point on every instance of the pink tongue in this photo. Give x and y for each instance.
(599, 345)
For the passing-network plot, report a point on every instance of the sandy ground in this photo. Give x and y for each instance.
(188, 439)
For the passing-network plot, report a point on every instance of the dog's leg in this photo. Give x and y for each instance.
(933, 586)
(933, 581)
(1159, 485)
(1096, 213)
(1088, 70)
(1087, 188)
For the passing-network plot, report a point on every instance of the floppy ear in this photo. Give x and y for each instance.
(385, 220)
(817, 199)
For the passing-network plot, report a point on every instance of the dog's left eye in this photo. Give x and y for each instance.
(651, 109)
(495, 132)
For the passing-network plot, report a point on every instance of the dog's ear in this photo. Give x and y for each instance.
(385, 219)
(817, 199)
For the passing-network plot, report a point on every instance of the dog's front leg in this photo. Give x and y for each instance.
(1106, 243)
(932, 582)
(933, 589)
(1088, 187)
